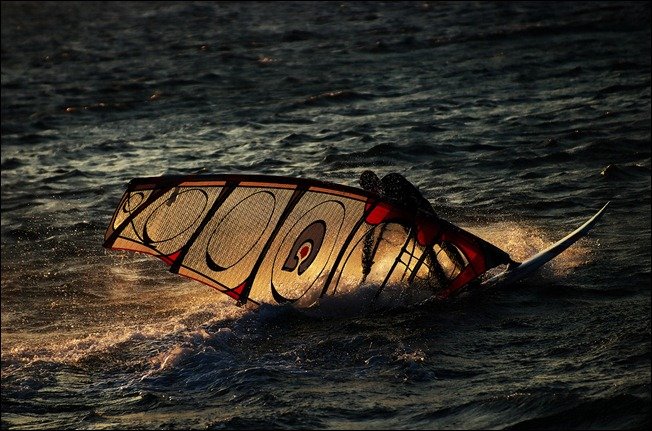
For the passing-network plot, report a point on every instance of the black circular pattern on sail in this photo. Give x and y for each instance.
(181, 211)
(305, 247)
(229, 255)
(132, 202)
(312, 247)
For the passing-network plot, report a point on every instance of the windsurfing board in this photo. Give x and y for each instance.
(535, 262)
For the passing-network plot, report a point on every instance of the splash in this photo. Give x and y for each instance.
(156, 340)
(522, 241)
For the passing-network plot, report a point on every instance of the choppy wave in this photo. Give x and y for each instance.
(517, 121)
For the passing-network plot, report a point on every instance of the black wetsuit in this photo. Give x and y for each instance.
(396, 188)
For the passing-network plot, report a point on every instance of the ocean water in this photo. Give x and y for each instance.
(517, 120)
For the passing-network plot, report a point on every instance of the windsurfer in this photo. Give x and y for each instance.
(396, 188)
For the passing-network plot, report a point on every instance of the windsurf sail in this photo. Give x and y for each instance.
(268, 239)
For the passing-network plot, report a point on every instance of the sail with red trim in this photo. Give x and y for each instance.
(267, 239)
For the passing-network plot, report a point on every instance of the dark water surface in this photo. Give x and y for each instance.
(517, 120)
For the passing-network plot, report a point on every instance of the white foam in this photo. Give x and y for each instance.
(523, 241)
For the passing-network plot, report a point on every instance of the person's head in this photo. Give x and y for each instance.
(370, 182)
